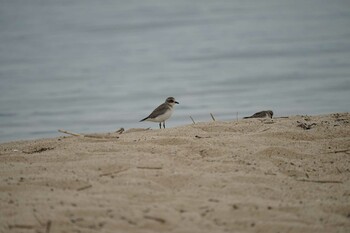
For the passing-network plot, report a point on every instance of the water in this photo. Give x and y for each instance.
(95, 66)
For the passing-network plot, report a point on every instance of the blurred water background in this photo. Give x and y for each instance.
(95, 66)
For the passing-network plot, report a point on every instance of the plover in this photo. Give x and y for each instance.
(162, 112)
(262, 114)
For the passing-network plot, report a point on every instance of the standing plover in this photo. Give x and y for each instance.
(162, 112)
(262, 114)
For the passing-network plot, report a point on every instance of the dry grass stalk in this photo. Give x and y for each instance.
(193, 120)
(212, 117)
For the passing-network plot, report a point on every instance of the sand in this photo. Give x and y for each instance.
(281, 175)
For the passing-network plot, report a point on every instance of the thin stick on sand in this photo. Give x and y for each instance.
(114, 172)
(88, 135)
(36, 217)
(157, 219)
(84, 187)
(321, 181)
(193, 120)
(212, 116)
(120, 131)
(340, 151)
(70, 133)
(145, 167)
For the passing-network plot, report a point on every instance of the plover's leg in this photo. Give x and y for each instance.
(160, 125)
(164, 124)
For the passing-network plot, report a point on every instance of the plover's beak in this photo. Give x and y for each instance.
(176, 102)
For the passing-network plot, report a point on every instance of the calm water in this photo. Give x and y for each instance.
(95, 66)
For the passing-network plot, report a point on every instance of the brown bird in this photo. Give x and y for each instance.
(262, 114)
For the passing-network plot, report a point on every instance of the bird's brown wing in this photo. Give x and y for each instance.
(158, 111)
(257, 115)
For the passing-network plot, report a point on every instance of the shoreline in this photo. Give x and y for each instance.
(252, 175)
(154, 127)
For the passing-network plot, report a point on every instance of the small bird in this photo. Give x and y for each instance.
(262, 114)
(162, 112)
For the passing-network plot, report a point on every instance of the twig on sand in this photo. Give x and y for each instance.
(321, 181)
(48, 224)
(120, 131)
(193, 120)
(338, 170)
(146, 167)
(84, 187)
(114, 172)
(36, 217)
(341, 151)
(212, 117)
(157, 219)
(70, 133)
(106, 136)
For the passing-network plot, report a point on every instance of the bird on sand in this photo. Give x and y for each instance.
(163, 112)
(262, 114)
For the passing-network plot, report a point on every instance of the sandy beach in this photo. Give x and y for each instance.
(287, 174)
